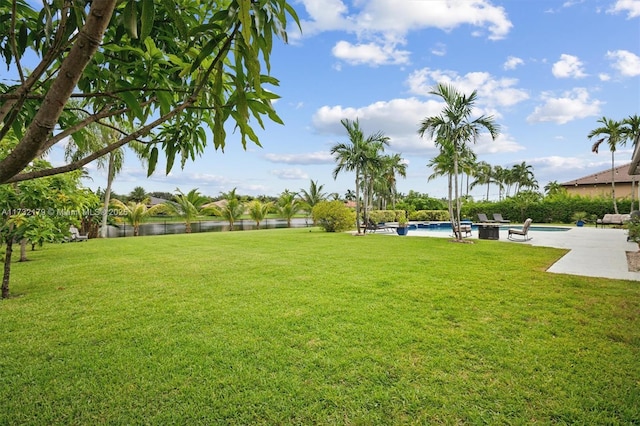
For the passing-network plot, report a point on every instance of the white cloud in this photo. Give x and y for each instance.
(568, 66)
(631, 7)
(381, 26)
(627, 63)
(503, 143)
(492, 92)
(320, 157)
(439, 49)
(290, 174)
(570, 106)
(512, 63)
(399, 119)
(604, 77)
(385, 16)
(369, 53)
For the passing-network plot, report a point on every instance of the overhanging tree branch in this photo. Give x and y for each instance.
(53, 104)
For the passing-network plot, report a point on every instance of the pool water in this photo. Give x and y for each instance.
(446, 227)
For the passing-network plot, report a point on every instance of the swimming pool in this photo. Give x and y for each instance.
(446, 227)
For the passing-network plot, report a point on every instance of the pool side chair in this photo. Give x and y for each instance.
(464, 229)
(498, 218)
(75, 235)
(522, 233)
(373, 227)
(484, 219)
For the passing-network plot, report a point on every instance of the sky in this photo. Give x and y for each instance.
(545, 70)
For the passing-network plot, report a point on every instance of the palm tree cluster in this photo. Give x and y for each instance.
(453, 130)
(375, 172)
(518, 177)
(615, 133)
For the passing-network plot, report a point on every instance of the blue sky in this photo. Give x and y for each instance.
(546, 70)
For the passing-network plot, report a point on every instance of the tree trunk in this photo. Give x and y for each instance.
(7, 267)
(358, 199)
(23, 250)
(458, 232)
(107, 195)
(82, 51)
(613, 184)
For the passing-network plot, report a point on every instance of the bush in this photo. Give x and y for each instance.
(429, 215)
(333, 216)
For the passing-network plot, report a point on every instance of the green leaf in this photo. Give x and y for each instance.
(131, 19)
(245, 20)
(153, 160)
(147, 18)
(132, 102)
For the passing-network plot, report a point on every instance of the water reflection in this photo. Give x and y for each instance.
(165, 228)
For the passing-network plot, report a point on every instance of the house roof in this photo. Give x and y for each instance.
(604, 177)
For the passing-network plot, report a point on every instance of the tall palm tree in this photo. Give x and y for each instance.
(355, 156)
(483, 176)
(187, 206)
(631, 129)
(613, 133)
(523, 177)
(454, 127)
(392, 166)
(136, 213)
(99, 136)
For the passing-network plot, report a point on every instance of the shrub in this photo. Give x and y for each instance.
(429, 215)
(633, 227)
(333, 216)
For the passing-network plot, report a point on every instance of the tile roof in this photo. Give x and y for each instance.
(621, 176)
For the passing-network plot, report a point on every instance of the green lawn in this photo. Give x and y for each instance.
(297, 326)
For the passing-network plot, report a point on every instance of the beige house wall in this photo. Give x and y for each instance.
(623, 190)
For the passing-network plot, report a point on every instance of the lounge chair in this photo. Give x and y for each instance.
(75, 235)
(373, 227)
(523, 233)
(498, 218)
(613, 219)
(483, 218)
(464, 229)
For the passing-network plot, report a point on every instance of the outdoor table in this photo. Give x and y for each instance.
(489, 231)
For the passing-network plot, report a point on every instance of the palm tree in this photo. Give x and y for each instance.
(553, 188)
(613, 133)
(232, 210)
(288, 205)
(392, 166)
(500, 177)
(454, 127)
(631, 130)
(187, 206)
(98, 137)
(356, 156)
(137, 194)
(259, 210)
(312, 197)
(483, 176)
(136, 213)
(523, 177)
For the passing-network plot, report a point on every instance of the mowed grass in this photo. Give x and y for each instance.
(297, 326)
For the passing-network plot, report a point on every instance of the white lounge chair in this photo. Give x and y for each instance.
(523, 233)
(75, 235)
